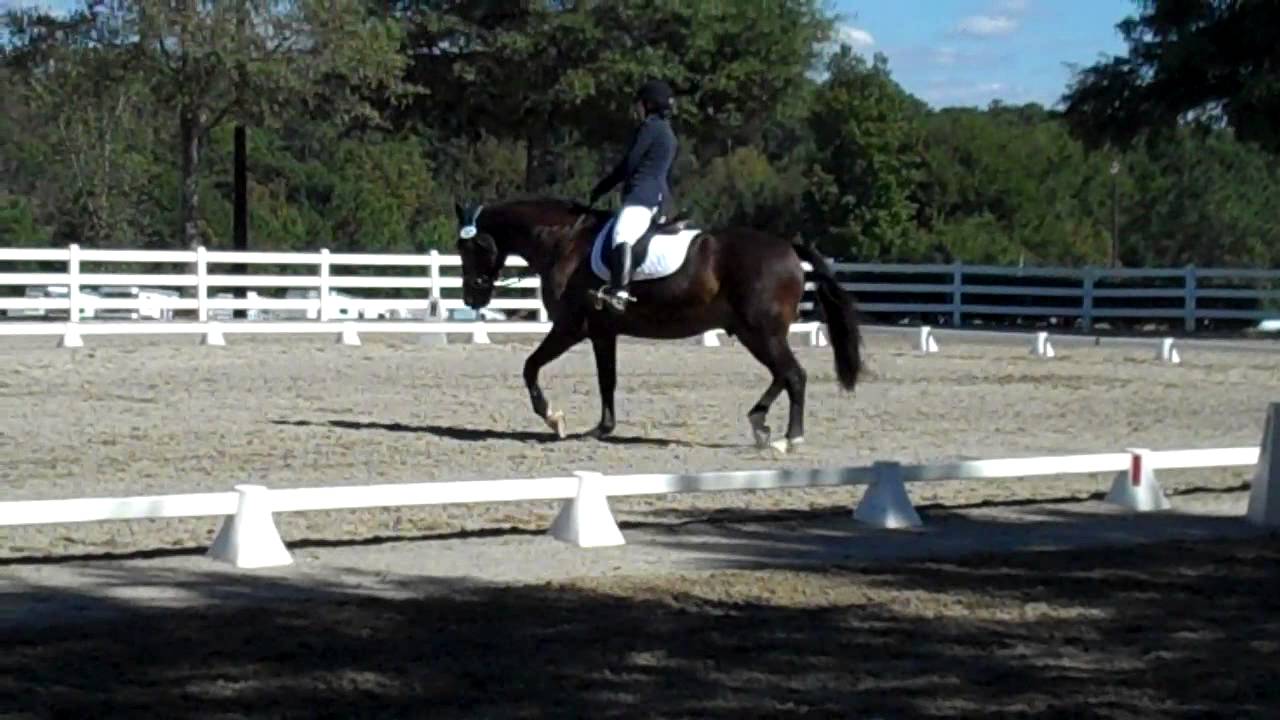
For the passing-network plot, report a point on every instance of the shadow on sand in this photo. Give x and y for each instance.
(465, 434)
(1174, 630)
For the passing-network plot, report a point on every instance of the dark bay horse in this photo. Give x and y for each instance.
(739, 280)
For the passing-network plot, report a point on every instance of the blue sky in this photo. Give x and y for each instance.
(970, 52)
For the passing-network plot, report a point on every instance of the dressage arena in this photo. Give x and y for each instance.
(1018, 597)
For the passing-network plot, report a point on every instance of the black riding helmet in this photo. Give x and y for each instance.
(656, 96)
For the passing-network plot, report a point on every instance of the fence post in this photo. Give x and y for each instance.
(542, 309)
(202, 284)
(957, 293)
(1086, 301)
(324, 285)
(436, 310)
(73, 283)
(1189, 307)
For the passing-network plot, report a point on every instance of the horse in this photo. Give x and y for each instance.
(742, 281)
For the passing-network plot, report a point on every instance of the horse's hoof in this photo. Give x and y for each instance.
(555, 421)
(786, 445)
(761, 435)
(600, 432)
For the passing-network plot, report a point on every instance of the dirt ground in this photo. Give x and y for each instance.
(733, 605)
(137, 415)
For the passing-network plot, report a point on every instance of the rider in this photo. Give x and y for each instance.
(644, 171)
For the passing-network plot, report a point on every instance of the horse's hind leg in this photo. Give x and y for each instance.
(774, 352)
(760, 411)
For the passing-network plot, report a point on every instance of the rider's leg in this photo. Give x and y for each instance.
(631, 224)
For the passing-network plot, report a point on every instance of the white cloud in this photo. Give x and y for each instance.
(945, 56)
(987, 25)
(854, 37)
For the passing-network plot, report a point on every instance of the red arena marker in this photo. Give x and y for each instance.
(1135, 469)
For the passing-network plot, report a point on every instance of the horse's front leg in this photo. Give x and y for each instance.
(605, 346)
(562, 337)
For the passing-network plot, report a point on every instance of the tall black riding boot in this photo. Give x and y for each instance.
(620, 276)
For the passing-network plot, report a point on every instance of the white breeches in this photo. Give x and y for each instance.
(631, 223)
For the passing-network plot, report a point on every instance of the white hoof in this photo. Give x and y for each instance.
(555, 421)
(784, 446)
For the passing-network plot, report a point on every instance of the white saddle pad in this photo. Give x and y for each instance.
(667, 252)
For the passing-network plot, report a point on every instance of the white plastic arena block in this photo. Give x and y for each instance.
(435, 339)
(71, 339)
(1041, 346)
(586, 520)
(926, 343)
(885, 503)
(1168, 353)
(1264, 491)
(818, 336)
(479, 336)
(249, 538)
(1137, 488)
(213, 337)
(711, 338)
(349, 335)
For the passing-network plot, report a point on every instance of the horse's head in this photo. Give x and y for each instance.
(482, 257)
(531, 229)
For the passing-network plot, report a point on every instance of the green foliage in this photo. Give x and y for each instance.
(366, 122)
(861, 182)
(1212, 60)
(18, 226)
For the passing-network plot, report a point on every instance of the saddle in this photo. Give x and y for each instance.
(640, 250)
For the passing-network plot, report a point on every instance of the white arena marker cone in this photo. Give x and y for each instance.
(349, 335)
(213, 336)
(885, 503)
(479, 336)
(927, 343)
(71, 339)
(818, 336)
(1042, 347)
(1264, 491)
(1168, 353)
(249, 538)
(586, 520)
(1137, 488)
(710, 338)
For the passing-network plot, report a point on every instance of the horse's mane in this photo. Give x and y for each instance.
(572, 208)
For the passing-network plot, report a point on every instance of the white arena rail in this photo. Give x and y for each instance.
(248, 537)
(314, 289)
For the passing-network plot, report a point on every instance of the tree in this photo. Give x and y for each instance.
(80, 114)
(861, 182)
(292, 56)
(556, 75)
(1213, 62)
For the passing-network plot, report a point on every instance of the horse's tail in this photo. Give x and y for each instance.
(841, 314)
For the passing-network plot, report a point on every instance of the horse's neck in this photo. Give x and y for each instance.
(555, 253)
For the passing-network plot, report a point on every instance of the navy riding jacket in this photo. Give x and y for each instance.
(645, 170)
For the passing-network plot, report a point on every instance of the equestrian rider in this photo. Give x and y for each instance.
(644, 172)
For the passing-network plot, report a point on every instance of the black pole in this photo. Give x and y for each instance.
(240, 210)
(240, 201)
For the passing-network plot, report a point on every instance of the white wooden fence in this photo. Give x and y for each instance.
(945, 295)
